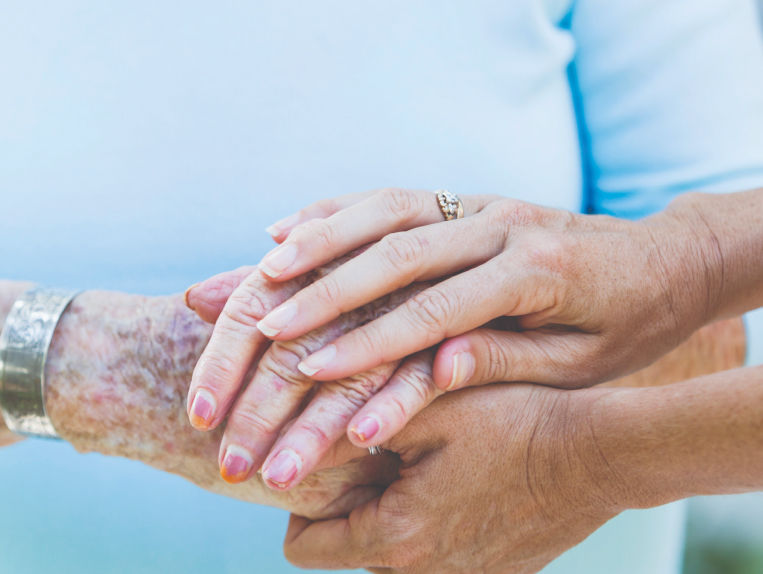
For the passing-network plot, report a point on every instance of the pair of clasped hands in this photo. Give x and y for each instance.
(376, 305)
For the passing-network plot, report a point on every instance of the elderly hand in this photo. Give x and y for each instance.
(281, 420)
(493, 480)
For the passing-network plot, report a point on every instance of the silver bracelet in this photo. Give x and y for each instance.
(24, 344)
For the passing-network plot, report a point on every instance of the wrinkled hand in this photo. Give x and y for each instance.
(281, 420)
(492, 480)
(534, 294)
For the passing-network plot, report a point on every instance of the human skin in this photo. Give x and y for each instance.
(583, 298)
(412, 384)
(696, 262)
(117, 377)
(506, 477)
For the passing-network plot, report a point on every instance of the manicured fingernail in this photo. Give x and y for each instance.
(187, 294)
(236, 464)
(203, 409)
(283, 468)
(366, 428)
(317, 361)
(463, 369)
(282, 225)
(278, 319)
(278, 260)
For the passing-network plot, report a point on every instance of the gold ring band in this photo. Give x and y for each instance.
(450, 204)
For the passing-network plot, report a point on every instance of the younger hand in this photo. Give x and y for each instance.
(589, 297)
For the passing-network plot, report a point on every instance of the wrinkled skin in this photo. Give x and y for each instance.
(117, 378)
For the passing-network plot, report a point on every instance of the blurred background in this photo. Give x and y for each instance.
(164, 96)
(725, 533)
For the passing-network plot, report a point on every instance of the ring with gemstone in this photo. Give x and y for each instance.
(450, 204)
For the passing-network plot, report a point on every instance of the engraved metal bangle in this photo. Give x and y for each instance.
(24, 345)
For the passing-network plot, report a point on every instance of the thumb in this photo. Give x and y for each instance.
(208, 298)
(545, 356)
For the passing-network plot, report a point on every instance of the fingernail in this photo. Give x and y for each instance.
(278, 260)
(463, 369)
(187, 294)
(278, 319)
(317, 361)
(236, 464)
(283, 468)
(366, 428)
(282, 225)
(202, 409)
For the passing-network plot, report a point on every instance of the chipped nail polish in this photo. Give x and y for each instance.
(278, 260)
(366, 428)
(236, 464)
(463, 369)
(283, 468)
(203, 409)
(278, 319)
(317, 361)
(186, 295)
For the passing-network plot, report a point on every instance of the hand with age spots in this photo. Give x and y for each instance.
(117, 377)
(282, 421)
(530, 294)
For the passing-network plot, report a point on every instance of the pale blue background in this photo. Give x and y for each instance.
(145, 146)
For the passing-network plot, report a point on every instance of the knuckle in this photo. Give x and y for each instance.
(218, 370)
(420, 390)
(248, 416)
(328, 290)
(245, 306)
(314, 431)
(496, 360)
(357, 390)
(281, 360)
(432, 308)
(513, 212)
(403, 249)
(401, 204)
(550, 253)
(317, 233)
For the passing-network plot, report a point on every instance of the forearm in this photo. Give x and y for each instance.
(117, 376)
(702, 436)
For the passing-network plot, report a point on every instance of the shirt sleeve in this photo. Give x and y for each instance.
(669, 96)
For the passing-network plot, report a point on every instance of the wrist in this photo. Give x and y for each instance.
(689, 263)
(118, 366)
(650, 446)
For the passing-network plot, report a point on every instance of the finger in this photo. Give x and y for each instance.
(409, 390)
(297, 453)
(502, 286)
(262, 411)
(544, 356)
(322, 240)
(233, 346)
(208, 298)
(396, 261)
(281, 229)
(353, 542)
